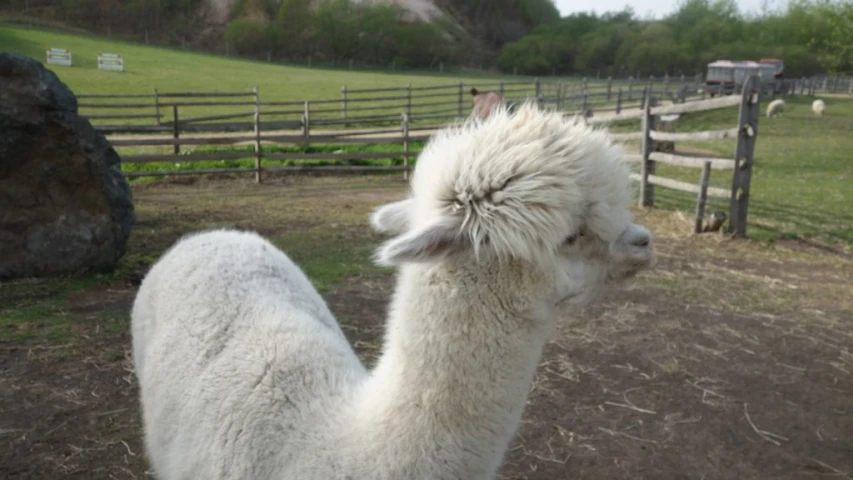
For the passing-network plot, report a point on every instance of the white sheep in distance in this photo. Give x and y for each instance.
(776, 107)
(818, 107)
(245, 374)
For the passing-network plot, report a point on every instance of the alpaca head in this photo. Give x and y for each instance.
(485, 103)
(533, 189)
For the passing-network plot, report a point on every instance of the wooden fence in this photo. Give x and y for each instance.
(835, 84)
(740, 166)
(178, 130)
(403, 135)
(233, 111)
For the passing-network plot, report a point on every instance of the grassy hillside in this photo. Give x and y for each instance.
(176, 70)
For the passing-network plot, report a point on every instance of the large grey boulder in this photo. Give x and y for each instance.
(64, 204)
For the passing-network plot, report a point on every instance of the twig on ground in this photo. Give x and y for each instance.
(769, 436)
(629, 407)
(128, 448)
(614, 433)
(837, 472)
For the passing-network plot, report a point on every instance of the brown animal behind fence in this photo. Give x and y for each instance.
(485, 102)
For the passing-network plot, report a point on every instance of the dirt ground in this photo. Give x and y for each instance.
(729, 360)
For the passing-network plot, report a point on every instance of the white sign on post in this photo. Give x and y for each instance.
(111, 62)
(59, 56)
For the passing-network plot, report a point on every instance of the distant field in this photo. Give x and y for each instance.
(167, 69)
(174, 70)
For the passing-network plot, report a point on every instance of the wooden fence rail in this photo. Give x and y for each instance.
(404, 136)
(741, 166)
(373, 106)
(422, 104)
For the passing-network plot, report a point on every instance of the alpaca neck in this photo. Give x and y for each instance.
(460, 352)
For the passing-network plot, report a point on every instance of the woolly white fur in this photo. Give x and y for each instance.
(245, 374)
(818, 107)
(776, 107)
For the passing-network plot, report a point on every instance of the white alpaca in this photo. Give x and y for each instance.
(245, 374)
(776, 107)
(818, 107)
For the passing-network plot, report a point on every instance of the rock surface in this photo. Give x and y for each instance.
(64, 203)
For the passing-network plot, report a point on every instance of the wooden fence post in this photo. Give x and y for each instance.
(665, 85)
(306, 119)
(537, 90)
(258, 152)
(156, 104)
(176, 129)
(630, 87)
(647, 190)
(609, 87)
(501, 88)
(702, 197)
(344, 101)
(409, 100)
(559, 95)
(742, 173)
(405, 128)
(619, 101)
(461, 93)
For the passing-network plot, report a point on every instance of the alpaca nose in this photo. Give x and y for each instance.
(642, 240)
(639, 237)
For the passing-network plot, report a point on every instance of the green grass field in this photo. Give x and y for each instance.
(147, 67)
(175, 70)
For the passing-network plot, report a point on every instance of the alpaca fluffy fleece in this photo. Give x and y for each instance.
(776, 107)
(245, 374)
(818, 107)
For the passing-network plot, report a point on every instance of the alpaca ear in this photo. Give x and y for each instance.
(392, 218)
(429, 243)
(474, 92)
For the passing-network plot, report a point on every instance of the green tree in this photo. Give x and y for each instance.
(247, 36)
(293, 27)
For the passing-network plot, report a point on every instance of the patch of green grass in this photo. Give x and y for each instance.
(802, 181)
(33, 309)
(329, 257)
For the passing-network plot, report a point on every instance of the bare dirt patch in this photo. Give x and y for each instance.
(731, 359)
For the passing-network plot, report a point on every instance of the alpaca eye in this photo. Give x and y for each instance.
(572, 239)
